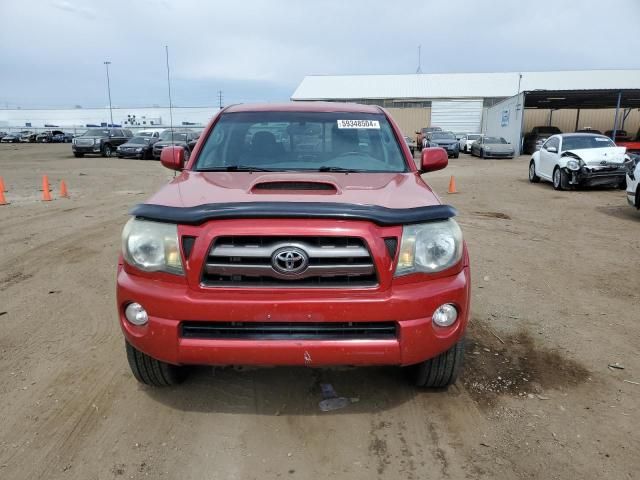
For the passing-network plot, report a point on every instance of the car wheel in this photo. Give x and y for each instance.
(78, 155)
(457, 155)
(533, 178)
(622, 185)
(106, 151)
(441, 371)
(559, 179)
(153, 372)
(482, 153)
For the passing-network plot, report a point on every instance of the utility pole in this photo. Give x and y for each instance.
(107, 63)
(220, 99)
(166, 49)
(419, 70)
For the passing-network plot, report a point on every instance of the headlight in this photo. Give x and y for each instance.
(152, 246)
(573, 164)
(429, 247)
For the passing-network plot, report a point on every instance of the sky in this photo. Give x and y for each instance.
(52, 52)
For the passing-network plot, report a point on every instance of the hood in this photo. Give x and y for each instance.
(166, 143)
(499, 147)
(444, 141)
(391, 190)
(595, 156)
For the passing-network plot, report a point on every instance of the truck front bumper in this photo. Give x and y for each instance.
(409, 305)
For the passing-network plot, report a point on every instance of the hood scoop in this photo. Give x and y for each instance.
(295, 186)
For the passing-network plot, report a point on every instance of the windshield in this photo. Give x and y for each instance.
(302, 141)
(443, 136)
(144, 134)
(96, 132)
(551, 130)
(586, 141)
(473, 137)
(494, 140)
(177, 136)
(138, 140)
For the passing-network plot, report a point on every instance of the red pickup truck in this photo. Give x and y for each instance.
(296, 234)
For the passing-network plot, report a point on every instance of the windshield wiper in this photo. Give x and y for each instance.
(235, 168)
(326, 168)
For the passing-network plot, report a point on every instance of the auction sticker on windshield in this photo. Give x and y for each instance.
(359, 124)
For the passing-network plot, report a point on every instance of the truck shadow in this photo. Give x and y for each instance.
(291, 390)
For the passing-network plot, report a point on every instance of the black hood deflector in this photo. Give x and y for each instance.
(339, 211)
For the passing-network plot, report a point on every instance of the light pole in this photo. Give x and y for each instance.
(106, 64)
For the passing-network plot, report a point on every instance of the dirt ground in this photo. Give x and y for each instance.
(555, 302)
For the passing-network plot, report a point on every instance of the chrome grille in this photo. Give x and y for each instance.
(245, 261)
(84, 141)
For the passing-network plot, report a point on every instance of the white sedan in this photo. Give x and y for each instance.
(579, 159)
(467, 140)
(633, 181)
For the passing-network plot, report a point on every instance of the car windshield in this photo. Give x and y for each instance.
(473, 137)
(177, 136)
(551, 130)
(144, 134)
(138, 140)
(286, 141)
(443, 136)
(96, 132)
(494, 140)
(586, 141)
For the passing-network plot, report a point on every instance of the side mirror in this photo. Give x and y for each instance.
(172, 157)
(433, 158)
(552, 149)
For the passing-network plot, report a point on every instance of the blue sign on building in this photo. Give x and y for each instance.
(505, 118)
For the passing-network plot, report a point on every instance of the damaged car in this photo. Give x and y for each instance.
(579, 159)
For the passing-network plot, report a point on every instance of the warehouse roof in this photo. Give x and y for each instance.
(459, 85)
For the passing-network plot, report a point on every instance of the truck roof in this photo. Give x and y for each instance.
(304, 107)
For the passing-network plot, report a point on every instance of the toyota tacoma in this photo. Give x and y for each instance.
(296, 234)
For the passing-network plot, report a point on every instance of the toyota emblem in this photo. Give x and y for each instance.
(289, 260)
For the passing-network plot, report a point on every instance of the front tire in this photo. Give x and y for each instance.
(78, 155)
(482, 153)
(107, 151)
(559, 179)
(153, 372)
(440, 371)
(533, 177)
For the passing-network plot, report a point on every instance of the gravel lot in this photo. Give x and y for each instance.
(555, 302)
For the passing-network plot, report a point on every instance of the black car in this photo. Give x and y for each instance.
(536, 137)
(137, 147)
(180, 138)
(11, 138)
(100, 141)
(51, 136)
(446, 140)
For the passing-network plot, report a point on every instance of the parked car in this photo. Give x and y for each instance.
(51, 136)
(536, 137)
(411, 143)
(621, 135)
(579, 159)
(256, 254)
(488, 147)
(100, 141)
(185, 138)
(631, 144)
(466, 141)
(11, 138)
(2, 135)
(446, 140)
(137, 147)
(420, 134)
(27, 136)
(633, 180)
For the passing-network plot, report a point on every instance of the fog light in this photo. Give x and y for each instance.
(136, 314)
(445, 315)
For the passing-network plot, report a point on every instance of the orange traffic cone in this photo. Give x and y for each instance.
(63, 190)
(3, 201)
(452, 185)
(46, 194)
(2, 189)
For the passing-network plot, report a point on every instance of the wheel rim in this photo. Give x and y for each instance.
(107, 151)
(556, 178)
(532, 171)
